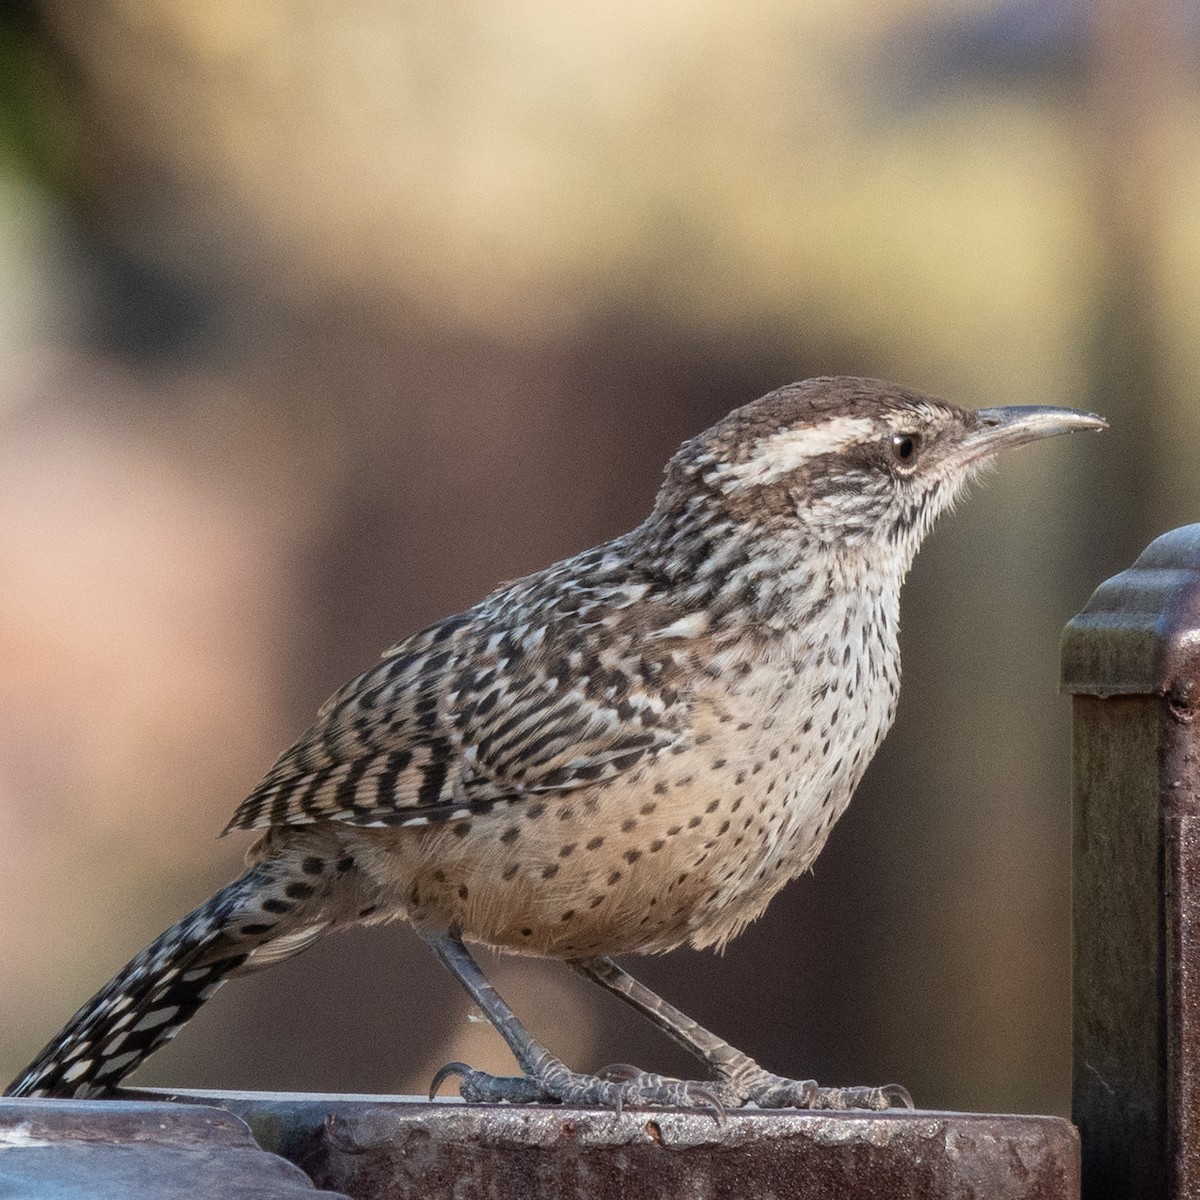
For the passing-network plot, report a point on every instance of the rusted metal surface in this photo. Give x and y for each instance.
(402, 1148)
(114, 1150)
(1132, 660)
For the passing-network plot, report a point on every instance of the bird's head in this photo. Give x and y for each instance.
(850, 461)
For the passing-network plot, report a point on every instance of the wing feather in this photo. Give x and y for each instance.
(491, 706)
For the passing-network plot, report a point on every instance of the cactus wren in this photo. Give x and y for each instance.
(630, 750)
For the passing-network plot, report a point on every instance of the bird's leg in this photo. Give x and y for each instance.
(739, 1078)
(545, 1077)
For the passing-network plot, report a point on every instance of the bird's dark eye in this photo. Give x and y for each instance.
(905, 447)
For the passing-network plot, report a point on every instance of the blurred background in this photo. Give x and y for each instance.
(319, 320)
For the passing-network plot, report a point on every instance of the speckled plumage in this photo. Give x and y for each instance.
(632, 749)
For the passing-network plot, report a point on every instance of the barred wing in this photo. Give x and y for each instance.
(467, 715)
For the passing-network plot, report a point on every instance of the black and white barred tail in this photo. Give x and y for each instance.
(158, 992)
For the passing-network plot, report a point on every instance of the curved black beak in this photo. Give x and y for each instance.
(1002, 428)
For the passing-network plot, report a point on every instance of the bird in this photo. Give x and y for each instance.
(625, 752)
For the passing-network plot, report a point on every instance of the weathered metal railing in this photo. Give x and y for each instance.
(172, 1146)
(1131, 660)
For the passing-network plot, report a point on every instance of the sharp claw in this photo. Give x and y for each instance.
(709, 1101)
(451, 1068)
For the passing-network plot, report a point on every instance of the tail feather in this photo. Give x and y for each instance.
(160, 990)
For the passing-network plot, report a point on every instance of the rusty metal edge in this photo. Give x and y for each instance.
(111, 1148)
(385, 1145)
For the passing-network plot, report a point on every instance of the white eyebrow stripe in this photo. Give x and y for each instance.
(783, 452)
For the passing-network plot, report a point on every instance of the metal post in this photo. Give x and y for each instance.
(1132, 661)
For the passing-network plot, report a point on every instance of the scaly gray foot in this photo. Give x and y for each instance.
(773, 1091)
(555, 1083)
